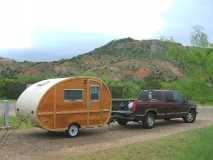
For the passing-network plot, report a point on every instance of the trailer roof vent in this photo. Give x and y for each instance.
(43, 83)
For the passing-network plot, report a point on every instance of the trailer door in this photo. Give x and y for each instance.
(94, 103)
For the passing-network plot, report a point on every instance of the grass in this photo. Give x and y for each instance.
(192, 145)
(16, 122)
(9, 101)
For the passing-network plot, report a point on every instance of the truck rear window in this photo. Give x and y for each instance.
(150, 95)
(156, 95)
(144, 96)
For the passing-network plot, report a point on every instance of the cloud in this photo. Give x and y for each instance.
(138, 18)
(15, 26)
(183, 15)
(24, 20)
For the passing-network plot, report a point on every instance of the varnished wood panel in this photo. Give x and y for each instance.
(61, 114)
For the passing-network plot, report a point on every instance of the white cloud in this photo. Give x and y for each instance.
(15, 24)
(22, 19)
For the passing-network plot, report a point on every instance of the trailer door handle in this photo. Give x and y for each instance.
(89, 104)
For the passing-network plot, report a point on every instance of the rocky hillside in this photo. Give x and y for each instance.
(118, 60)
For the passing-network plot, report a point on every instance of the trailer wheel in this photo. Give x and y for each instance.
(149, 120)
(122, 122)
(73, 130)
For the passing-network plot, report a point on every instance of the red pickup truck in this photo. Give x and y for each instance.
(155, 104)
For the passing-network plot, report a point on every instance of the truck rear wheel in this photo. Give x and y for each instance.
(149, 120)
(190, 117)
(122, 122)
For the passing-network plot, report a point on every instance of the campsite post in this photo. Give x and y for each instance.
(6, 114)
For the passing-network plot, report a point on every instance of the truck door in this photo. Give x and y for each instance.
(174, 103)
(158, 103)
(180, 102)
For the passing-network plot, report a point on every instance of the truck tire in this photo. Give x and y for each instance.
(73, 130)
(122, 122)
(149, 120)
(190, 117)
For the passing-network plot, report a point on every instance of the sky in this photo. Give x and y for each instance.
(45, 30)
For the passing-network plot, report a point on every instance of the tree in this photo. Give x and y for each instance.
(199, 61)
(152, 82)
(199, 38)
(11, 88)
(167, 39)
(211, 45)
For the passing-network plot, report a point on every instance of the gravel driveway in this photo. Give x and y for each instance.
(38, 144)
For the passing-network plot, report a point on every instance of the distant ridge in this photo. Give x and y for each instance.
(117, 60)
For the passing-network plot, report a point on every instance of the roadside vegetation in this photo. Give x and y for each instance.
(195, 144)
(17, 123)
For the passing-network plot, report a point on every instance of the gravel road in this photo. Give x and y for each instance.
(38, 144)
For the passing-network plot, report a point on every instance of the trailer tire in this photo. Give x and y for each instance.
(149, 120)
(73, 130)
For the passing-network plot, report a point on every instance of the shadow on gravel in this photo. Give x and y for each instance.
(43, 134)
(98, 132)
(134, 125)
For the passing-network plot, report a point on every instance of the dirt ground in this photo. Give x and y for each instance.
(38, 144)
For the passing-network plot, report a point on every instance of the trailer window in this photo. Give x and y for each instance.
(94, 92)
(73, 94)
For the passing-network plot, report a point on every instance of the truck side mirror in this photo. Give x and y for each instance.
(186, 99)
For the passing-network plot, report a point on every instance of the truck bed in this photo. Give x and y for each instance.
(120, 104)
(120, 109)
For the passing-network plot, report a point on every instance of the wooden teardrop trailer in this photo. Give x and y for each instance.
(66, 104)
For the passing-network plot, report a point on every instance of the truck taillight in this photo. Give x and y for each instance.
(133, 107)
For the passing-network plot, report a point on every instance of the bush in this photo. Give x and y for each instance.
(197, 90)
(125, 89)
(152, 82)
(11, 88)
